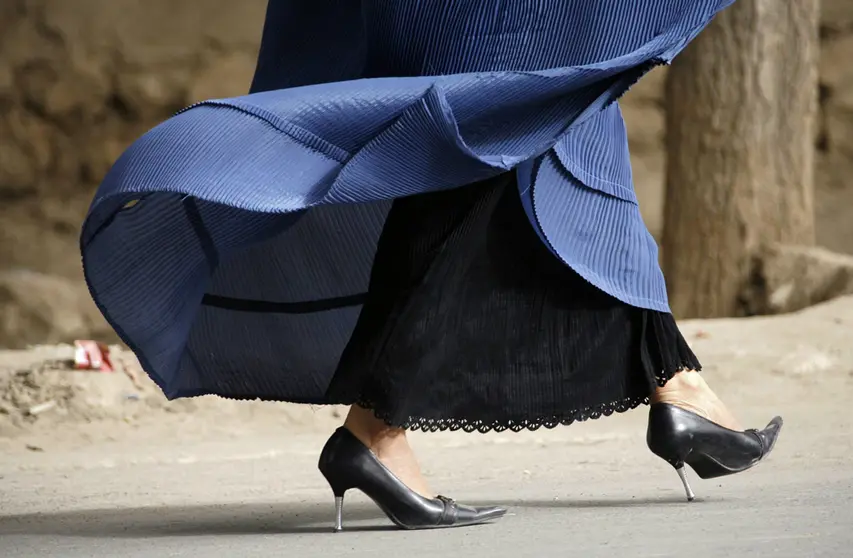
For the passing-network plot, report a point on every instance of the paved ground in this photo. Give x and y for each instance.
(590, 490)
(200, 484)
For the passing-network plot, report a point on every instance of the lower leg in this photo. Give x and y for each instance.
(390, 445)
(689, 391)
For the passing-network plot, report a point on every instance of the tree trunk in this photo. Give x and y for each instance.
(742, 104)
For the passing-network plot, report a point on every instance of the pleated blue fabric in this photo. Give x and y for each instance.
(242, 230)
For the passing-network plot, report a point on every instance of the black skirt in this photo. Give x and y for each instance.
(472, 323)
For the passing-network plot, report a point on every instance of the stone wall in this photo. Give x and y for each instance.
(80, 79)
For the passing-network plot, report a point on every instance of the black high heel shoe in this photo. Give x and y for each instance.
(679, 436)
(348, 464)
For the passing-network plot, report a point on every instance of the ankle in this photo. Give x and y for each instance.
(686, 379)
(687, 384)
(689, 391)
(371, 431)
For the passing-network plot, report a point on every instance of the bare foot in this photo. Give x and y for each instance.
(390, 446)
(689, 391)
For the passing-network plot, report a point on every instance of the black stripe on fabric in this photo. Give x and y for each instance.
(207, 245)
(267, 307)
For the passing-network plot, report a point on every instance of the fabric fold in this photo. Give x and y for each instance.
(278, 196)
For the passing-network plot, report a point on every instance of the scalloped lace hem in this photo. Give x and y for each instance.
(498, 425)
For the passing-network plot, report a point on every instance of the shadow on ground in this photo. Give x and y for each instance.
(243, 519)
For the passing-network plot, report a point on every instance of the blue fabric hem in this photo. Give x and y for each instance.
(292, 170)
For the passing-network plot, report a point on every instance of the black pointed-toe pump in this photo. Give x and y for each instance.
(348, 464)
(680, 437)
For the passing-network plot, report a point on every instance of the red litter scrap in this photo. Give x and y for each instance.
(91, 355)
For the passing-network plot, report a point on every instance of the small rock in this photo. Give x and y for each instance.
(796, 277)
(34, 448)
(41, 408)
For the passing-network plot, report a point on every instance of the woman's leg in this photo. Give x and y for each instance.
(689, 391)
(686, 389)
(390, 445)
(418, 234)
(471, 323)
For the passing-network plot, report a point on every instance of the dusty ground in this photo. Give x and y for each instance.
(113, 470)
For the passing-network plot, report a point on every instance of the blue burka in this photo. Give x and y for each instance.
(240, 233)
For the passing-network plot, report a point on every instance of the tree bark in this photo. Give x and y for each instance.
(741, 111)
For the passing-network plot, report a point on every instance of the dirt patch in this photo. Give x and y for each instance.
(41, 392)
(40, 387)
(42, 396)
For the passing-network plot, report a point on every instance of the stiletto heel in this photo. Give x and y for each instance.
(339, 485)
(348, 464)
(339, 513)
(680, 437)
(682, 474)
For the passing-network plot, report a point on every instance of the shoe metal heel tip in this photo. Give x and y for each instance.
(339, 509)
(683, 476)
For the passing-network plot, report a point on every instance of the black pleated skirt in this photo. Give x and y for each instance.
(472, 323)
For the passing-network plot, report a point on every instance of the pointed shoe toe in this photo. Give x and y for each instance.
(768, 435)
(470, 515)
